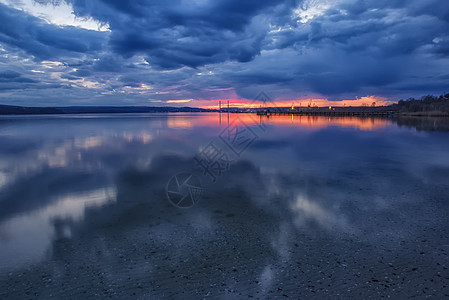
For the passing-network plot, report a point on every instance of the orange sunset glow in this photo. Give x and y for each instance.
(318, 102)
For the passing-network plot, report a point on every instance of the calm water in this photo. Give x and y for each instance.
(286, 206)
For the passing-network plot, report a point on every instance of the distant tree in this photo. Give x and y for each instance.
(428, 99)
(414, 107)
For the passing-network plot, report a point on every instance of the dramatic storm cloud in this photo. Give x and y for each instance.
(142, 52)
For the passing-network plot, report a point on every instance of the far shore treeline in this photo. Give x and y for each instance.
(427, 104)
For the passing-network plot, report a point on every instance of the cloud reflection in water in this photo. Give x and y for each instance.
(94, 197)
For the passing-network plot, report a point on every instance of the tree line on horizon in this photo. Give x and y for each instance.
(427, 103)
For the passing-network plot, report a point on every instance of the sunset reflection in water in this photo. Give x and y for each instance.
(78, 191)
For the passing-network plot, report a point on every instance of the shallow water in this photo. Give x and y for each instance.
(282, 206)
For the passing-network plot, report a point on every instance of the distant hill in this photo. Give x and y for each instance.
(23, 110)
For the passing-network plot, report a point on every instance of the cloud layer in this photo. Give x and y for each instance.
(158, 51)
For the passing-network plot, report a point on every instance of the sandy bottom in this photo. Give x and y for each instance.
(231, 246)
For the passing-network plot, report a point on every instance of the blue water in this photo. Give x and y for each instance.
(266, 207)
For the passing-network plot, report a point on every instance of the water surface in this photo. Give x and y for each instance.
(290, 206)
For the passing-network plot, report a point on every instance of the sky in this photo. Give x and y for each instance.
(197, 52)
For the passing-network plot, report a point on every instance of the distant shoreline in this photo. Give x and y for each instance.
(25, 110)
(361, 111)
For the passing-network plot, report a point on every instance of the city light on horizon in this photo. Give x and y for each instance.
(313, 102)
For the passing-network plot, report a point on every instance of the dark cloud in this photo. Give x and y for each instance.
(44, 41)
(360, 48)
(108, 63)
(173, 34)
(80, 73)
(8, 75)
(12, 80)
(207, 49)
